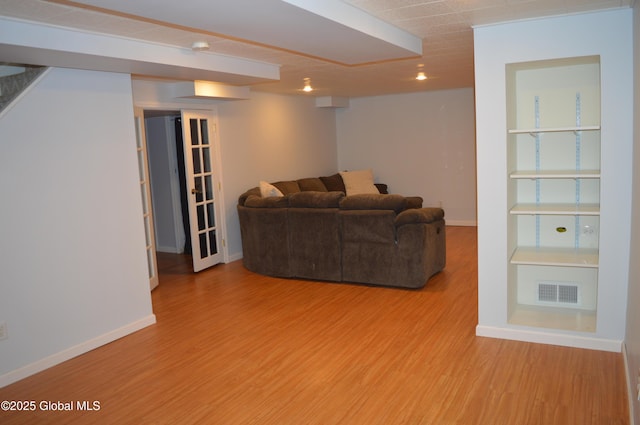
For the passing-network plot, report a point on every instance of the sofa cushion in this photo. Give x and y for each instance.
(315, 199)
(312, 184)
(268, 190)
(358, 182)
(265, 239)
(334, 183)
(414, 202)
(382, 188)
(370, 226)
(287, 187)
(378, 201)
(315, 242)
(254, 201)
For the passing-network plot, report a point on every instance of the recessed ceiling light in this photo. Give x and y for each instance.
(199, 46)
(307, 85)
(421, 75)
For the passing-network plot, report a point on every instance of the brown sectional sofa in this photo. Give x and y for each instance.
(317, 232)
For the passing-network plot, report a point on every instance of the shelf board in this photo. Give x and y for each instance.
(555, 209)
(564, 257)
(554, 318)
(553, 129)
(555, 174)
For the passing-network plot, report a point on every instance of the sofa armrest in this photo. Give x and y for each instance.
(419, 215)
(243, 198)
(254, 201)
(414, 202)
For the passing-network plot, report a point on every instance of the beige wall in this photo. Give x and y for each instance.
(419, 144)
(271, 137)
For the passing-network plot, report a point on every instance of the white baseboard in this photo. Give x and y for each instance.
(541, 337)
(235, 257)
(169, 249)
(69, 353)
(469, 223)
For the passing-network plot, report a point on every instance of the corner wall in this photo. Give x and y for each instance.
(72, 246)
(271, 137)
(418, 143)
(632, 337)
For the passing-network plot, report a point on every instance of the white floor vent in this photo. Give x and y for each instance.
(565, 294)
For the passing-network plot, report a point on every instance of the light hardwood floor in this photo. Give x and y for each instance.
(232, 347)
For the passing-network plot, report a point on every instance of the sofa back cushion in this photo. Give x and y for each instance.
(334, 183)
(253, 201)
(287, 187)
(313, 184)
(395, 203)
(382, 188)
(315, 199)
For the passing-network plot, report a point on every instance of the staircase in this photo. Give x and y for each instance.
(14, 79)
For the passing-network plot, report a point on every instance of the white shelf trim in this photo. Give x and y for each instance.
(553, 129)
(556, 209)
(549, 336)
(567, 257)
(555, 174)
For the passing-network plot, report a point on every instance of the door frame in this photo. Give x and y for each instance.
(142, 153)
(173, 189)
(216, 159)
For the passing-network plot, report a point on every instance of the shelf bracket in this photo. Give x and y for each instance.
(578, 166)
(537, 136)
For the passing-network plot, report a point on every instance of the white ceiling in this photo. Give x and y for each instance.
(443, 26)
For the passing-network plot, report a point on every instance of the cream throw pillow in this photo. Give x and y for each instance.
(358, 182)
(268, 190)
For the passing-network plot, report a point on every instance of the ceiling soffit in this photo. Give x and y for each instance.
(331, 30)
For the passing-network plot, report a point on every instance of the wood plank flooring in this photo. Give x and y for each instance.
(233, 347)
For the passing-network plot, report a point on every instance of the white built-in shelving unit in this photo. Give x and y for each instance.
(553, 159)
(554, 142)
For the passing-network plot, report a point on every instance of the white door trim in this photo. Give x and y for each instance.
(160, 105)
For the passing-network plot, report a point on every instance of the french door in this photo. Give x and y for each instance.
(198, 132)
